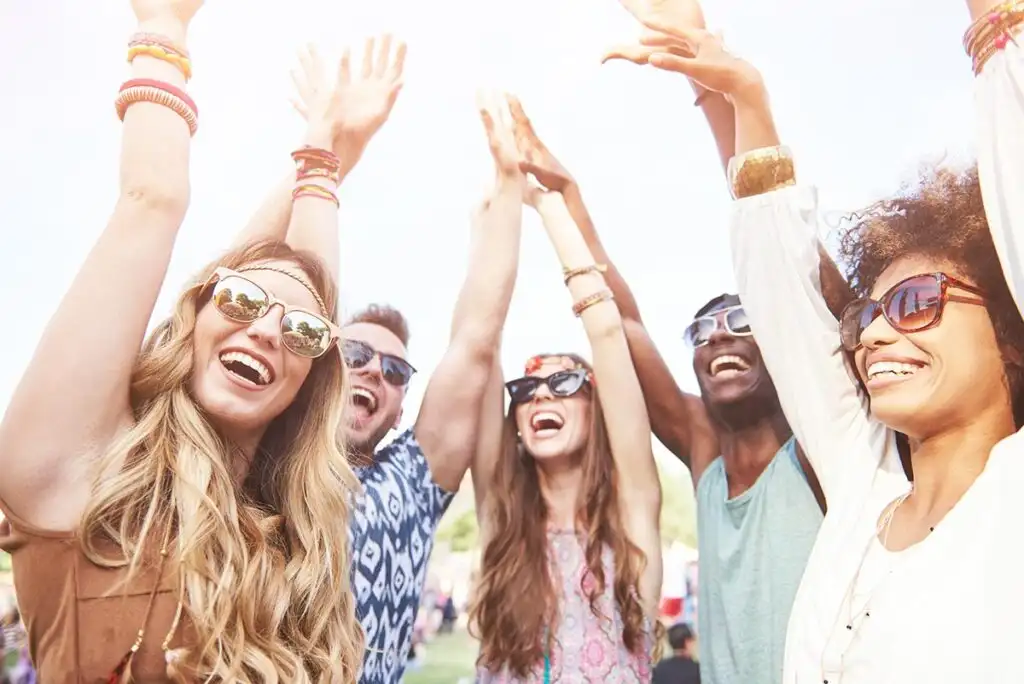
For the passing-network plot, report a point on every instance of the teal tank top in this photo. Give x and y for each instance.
(753, 550)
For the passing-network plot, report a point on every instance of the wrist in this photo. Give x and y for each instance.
(171, 28)
(319, 136)
(750, 93)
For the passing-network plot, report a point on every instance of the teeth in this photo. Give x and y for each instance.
(894, 367)
(370, 399)
(541, 416)
(242, 357)
(728, 360)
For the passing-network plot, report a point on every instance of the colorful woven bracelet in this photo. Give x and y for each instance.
(129, 96)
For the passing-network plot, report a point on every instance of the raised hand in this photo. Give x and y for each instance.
(352, 108)
(500, 136)
(702, 57)
(534, 156)
(179, 11)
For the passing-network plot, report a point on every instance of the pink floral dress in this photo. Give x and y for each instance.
(587, 648)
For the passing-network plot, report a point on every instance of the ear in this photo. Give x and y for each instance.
(398, 418)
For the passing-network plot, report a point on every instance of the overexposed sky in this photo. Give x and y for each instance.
(863, 92)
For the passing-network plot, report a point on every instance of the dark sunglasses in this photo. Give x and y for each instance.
(562, 384)
(395, 370)
(734, 321)
(239, 299)
(911, 305)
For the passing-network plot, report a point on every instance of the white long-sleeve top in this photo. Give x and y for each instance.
(951, 608)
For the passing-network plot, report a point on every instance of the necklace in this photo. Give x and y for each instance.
(855, 618)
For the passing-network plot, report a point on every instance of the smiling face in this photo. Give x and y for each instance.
(376, 403)
(728, 367)
(550, 426)
(922, 381)
(242, 375)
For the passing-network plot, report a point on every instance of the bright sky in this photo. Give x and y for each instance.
(863, 91)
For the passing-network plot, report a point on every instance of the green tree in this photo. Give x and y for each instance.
(462, 533)
(678, 506)
(5, 562)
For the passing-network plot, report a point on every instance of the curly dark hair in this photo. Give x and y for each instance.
(941, 216)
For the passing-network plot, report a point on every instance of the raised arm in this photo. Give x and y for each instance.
(678, 419)
(73, 397)
(776, 254)
(448, 423)
(622, 400)
(352, 109)
(1000, 117)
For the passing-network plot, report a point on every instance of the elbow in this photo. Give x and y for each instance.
(156, 198)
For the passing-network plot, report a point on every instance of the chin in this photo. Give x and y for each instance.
(228, 411)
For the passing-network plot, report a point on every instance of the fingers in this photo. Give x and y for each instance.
(345, 66)
(673, 43)
(637, 54)
(299, 107)
(498, 125)
(383, 56)
(682, 65)
(398, 66)
(684, 34)
(368, 58)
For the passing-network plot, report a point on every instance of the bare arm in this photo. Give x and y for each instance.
(73, 397)
(488, 446)
(448, 423)
(622, 400)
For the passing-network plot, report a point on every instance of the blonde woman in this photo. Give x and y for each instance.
(180, 514)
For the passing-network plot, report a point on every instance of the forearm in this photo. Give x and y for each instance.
(486, 293)
(155, 141)
(721, 118)
(313, 225)
(755, 126)
(624, 298)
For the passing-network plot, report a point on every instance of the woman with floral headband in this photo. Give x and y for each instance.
(180, 513)
(568, 499)
(933, 349)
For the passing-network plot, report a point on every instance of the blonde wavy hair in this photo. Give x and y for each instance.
(264, 568)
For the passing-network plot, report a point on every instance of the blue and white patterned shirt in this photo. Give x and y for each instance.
(392, 536)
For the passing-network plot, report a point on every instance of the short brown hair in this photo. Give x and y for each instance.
(386, 316)
(941, 216)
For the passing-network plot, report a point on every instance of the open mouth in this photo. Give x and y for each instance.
(728, 366)
(546, 423)
(364, 401)
(247, 368)
(891, 370)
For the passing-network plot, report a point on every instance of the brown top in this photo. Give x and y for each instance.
(80, 621)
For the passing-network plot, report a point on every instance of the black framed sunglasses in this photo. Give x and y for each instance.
(911, 305)
(239, 299)
(733, 320)
(395, 370)
(562, 384)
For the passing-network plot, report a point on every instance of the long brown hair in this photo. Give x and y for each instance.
(264, 569)
(516, 602)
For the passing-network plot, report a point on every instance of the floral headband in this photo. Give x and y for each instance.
(534, 363)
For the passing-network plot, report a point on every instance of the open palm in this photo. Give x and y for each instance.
(354, 108)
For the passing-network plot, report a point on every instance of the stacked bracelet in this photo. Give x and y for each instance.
(314, 190)
(992, 32)
(761, 171)
(570, 273)
(311, 162)
(161, 93)
(582, 305)
(159, 47)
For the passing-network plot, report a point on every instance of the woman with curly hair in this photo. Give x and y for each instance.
(180, 513)
(933, 349)
(568, 495)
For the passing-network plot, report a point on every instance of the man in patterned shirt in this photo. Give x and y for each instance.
(409, 483)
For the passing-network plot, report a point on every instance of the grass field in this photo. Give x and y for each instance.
(445, 660)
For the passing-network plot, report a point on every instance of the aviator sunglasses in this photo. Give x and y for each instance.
(562, 384)
(733, 320)
(239, 299)
(395, 370)
(911, 305)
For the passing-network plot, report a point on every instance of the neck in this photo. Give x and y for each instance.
(560, 484)
(748, 449)
(242, 446)
(947, 464)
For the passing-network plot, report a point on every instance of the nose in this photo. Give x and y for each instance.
(266, 329)
(878, 334)
(372, 367)
(543, 392)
